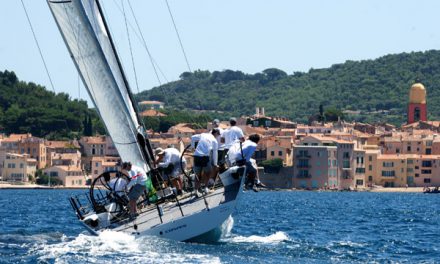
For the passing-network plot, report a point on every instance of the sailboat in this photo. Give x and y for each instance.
(186, 218)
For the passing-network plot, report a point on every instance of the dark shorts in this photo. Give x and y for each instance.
(250, 168)
(136, 191)
(202, 164)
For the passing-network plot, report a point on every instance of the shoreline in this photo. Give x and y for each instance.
(6, 186)
(9, 186)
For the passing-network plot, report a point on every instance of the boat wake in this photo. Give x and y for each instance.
(275, 238)
(116, 247)
(229, 237)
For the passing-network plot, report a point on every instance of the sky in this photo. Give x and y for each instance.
(245, 35)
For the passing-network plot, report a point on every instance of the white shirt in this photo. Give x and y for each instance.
(221, 145)
(231, 135)
(172, 156)
(248, 147)
(137, 175)
(207, 146)
(195, 139)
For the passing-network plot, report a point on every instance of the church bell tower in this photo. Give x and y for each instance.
(417, 103)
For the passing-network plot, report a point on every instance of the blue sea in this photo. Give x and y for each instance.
(38, 226)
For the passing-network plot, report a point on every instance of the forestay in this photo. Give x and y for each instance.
(84, 31)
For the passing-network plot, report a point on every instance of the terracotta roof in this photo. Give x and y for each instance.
(152, 112)
(94, 140)
(66, 168)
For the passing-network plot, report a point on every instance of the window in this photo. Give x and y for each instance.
(408, 148)
(388, 173)
(409, 170)
(334, 163)
(388, 164)
(329, 163)
(346, 155)
(410, 161)
(428, 151)
(426, 171)
(417, 167)
(417, 175)
(346, 164)
(272, 153)
(360, 170)
(359, 182)
(426, 163)
(96, 164)
(370, 167)
(318, 153)
(280, 153)
(95, 172)
(370, 158)
(370, 178)
(21, 166)
(362, 160)
(427, 180)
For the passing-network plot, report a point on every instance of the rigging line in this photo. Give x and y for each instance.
(154, 63)
(145, 43)
(129, 44)
(178, 36)
(38, 45)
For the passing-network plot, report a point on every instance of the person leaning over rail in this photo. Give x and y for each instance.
(241, 153)
(138, 182)
(206, 157)
(168, 160)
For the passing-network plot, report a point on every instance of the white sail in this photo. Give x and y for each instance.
(85, 34)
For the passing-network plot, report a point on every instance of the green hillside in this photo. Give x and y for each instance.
(30, 108)
(369, 86)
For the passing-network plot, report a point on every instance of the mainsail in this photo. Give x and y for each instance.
(86, 35)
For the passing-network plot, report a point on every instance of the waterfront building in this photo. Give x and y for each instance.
(100, 165)
(281, 148)
(62, 150)
(70, 176)
(315, 163)
(359, 168)
(19, 167)
(35, 148)
(98, 146)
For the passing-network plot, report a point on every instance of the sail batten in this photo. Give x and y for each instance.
(84, 31)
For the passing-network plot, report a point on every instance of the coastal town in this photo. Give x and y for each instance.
(320, 155)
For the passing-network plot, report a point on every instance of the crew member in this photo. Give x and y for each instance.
(138, 182)
(232, 134)
(206, 156)
(169, 161)
(242, 153)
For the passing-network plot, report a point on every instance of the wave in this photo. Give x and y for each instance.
(275, 238)
(116, 247)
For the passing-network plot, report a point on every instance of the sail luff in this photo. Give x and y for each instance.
(101, 73)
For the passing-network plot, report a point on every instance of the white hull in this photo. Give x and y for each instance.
(192, 219)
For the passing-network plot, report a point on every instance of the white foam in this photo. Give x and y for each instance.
(226, 227)
(119, 247)
(271, 239)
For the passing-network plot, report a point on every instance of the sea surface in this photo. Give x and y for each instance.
(38, 226)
